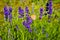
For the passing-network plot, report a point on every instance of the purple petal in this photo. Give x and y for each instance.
(6, 12)
(10, 9)
(5, 8)
(41, 10)
(26, 24)
(29, 20)
(26, 9)
(21, 11)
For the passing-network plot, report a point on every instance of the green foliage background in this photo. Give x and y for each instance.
(52, 29)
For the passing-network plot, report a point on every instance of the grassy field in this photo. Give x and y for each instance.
(42, 29)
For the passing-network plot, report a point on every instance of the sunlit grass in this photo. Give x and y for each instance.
(51, 28)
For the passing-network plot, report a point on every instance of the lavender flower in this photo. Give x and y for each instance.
(40, 17)
(41, 12)
(28, 26)
(50, 10)
(50, 7)
(10, 17)
(10, 9)
(5, 8)
(21, 12)
(50, 3)
(47, 6)
(27, 22)
(6, 13)
(27, 10)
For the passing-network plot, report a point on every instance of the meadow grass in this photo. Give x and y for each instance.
(51, 29)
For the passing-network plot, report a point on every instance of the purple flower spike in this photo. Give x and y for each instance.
(10, 9)
(27, 10)
(41, 10)
(50, 7)
(50, 3)
(47, 6)
(50, 11)
(10, 17)
(21, 12)
(26, 24)
(40, 17)
(6, 13)
(29, 20)
(41, 13)
(5, 8)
